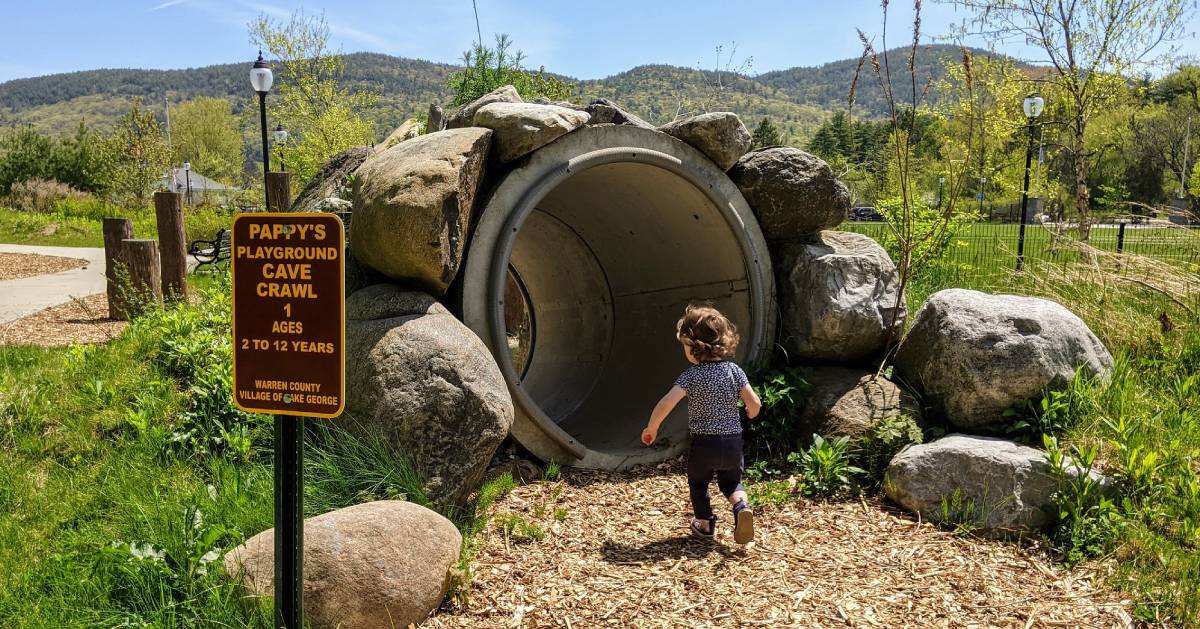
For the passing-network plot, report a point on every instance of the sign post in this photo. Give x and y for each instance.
(289, 325)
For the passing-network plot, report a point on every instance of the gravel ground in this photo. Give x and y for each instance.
(83, 320)
(18, 265)
(621, 557)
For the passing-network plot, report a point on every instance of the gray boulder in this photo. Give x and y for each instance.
(794, 194)
(995, 485)
(330, 180)
(412, 206)
(465, 115)
(973, 355)
(375, 565)
(840, 401)
(521, 128)
(719, 135)
(838, 298)
(604, 111)
(436, 120)
(408, 130)
(421, 380)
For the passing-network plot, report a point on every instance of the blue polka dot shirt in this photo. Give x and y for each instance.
(713, 390)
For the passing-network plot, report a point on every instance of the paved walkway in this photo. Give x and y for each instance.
(27, 295)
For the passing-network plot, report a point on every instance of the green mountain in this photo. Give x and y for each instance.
(796, 99)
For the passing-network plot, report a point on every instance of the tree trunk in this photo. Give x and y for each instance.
(115, 231)
(1082, 201)
(140, 259)
(172, 243)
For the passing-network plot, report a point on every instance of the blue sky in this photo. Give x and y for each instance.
(582, 39)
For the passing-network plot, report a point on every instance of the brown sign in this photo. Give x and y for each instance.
(289, 313)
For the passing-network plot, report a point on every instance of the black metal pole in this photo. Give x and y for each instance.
(289, 522)
(1024, 200)
(262, 114)
(1121, 238)
(940, 186)
(187, 174)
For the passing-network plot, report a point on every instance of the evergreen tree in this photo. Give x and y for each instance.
(766, 134)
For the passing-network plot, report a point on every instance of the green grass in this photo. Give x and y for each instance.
(80, 224)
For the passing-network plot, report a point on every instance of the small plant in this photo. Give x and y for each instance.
(1085, 521)
(773, 492)
(560, 514)
(1054, 413)
(772, 435)
(886, 438)
(519, 530)
(553, 471)
(959, 513)
(825, 467)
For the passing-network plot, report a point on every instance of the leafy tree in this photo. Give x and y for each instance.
(322, 116)
(1087, 42)
(485, 69)
(25, 154)
(766, 134)
(79, 161)
(205, 132)
(135, 154)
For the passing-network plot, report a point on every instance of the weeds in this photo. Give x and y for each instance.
(1085, 522)
(825, 467)
(959, 513)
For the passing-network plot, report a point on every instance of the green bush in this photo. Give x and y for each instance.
(885, 439)
(825, 467)
(1085, 522)
(772, 435)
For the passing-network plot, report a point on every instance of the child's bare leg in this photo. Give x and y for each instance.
(738, 496)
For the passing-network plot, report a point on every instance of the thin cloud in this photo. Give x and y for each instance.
(168, 3)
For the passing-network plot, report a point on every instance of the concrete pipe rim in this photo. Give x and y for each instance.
(726, 199)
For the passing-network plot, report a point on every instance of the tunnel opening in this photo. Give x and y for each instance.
(582, 261)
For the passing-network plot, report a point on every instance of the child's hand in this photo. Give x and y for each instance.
(649, 435)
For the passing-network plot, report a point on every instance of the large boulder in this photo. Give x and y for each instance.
(841, 401)
(839, 298)
(331, 180)
(412, 206)
(973, 356)
(794, 194)
(719, 135)
(995, 485)
(604, 111)
(465, 115)
(375, 565)
(408, 130)
(521, 128)
(421, 380)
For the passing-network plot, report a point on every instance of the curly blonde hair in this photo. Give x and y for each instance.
(709, 334)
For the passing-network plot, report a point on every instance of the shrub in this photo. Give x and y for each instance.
(886, 438)
(1085, 521)
(826, 467)
(772, 435)
(40, 195)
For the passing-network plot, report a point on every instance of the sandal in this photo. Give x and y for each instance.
(698, 532)
(743, 519)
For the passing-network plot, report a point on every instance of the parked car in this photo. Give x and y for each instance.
(865, 214)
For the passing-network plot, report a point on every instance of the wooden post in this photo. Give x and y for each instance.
(145, 275)
(115, 231)
(172, 244)
(279, 192)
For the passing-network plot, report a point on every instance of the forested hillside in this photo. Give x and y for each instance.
(796, 99)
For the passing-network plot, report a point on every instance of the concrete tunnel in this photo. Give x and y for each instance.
(582, 259)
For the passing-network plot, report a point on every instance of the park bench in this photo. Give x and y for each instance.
(210, 252)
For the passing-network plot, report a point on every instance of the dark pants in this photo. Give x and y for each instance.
(709, 454)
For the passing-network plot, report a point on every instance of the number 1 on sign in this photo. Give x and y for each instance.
(287, 309)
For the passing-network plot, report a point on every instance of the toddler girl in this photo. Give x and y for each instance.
(713, 385)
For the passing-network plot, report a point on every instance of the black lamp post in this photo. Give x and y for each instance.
(187, 174)
(281, 136)
(261, 79)
(982, 180)
(1033, 108)
(941, 185)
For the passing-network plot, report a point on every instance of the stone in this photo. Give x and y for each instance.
(973, 356)
(521, 128)
(845, 402)
(334, 204)
(839, 298)
(331, 180)
(604, 111)
(998, 486)
(436, 120)
(406, 131)
(794, 194)
(719, 135)
(423, 382)
(375, 565)
(412, 207)
(465, 115)
(360, 276)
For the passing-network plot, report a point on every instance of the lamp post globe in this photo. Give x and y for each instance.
(1032, 105)
(281, 136)
(261, 79)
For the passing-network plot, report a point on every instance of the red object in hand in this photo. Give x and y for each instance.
(647, 438)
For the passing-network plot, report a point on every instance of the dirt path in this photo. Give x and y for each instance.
(620, 557)
(27, 295)
(17, 265)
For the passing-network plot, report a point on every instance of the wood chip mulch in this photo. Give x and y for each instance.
(621, 557)
(80, 320)
(17, 265)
